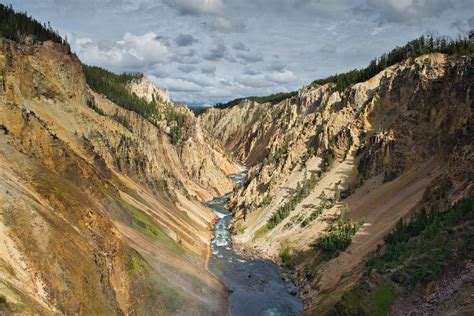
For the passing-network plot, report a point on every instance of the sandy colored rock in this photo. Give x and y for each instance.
(97, 217)
(394, 138)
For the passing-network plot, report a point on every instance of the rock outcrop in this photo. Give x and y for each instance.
(148, 90)
(98, 216)
(382, 148)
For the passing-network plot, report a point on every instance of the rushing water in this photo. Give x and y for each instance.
(257, 286)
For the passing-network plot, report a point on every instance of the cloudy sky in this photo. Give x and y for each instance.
(206, 51)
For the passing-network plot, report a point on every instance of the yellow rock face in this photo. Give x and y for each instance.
(394, 138)
(97, 218)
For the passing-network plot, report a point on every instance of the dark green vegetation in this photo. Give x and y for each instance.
(326, 203)
(416, 252)
(176, 131)
(283, 211)
(273, 99)
(114, 87)
(3, 302)
(294, 220)
(91, 104)
(145, 224)
(338, 235)
(4, 129)
(422, 249)
(198, 110)
(155, 292)
(314, 214)
(414, 48)
(285, 257)
(122, 120)
(267, 200)
(307, 156)
(361, 301)
(280, 153)
(328, 158)
(16, 26)
(134, 262)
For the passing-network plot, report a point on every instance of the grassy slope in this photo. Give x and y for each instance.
(415, 254)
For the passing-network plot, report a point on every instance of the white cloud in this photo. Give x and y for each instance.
(209, 70)
(132, 51)
(249, 57)
(145, 47)
(240, 46)
(224, 25)
(245, 47)
(186, 68)
(216, 53)
(196, 7)
(284, 76)
(178, 85)
(408, 10)
(185, 40)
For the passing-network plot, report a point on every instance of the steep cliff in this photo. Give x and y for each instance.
(99, 212)
(376, 152)
(149, 91)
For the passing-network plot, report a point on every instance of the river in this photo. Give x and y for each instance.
(256, 286)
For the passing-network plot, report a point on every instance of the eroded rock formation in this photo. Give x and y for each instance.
(380, 148)
(98, 216)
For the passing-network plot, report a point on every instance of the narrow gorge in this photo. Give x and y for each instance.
(352, 195)
(361, 160)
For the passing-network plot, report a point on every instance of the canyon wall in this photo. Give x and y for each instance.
(99, 212)
(379, 150)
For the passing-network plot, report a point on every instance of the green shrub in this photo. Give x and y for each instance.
(338, 236)
(240, 228)
(325, 203)
(275, 157)
(382, 300)
(175, 135)
(328, 158)
(134, 263)
(286, 257)
(91, 104)
(318, 211)
(294, 220)
(261, 231)
(360, 300)
(420, 250)
(267, 200)
(122, 120)
(302, 191)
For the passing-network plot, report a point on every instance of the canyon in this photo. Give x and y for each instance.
(98, 218)
(380, 150)
(106, 210)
